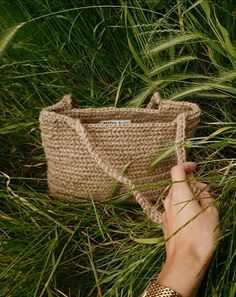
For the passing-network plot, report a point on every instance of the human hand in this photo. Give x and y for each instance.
(190, 226)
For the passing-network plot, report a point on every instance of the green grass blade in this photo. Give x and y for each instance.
(167, 153)
(159, 240)
(172, 41)
(6, 37)
(165, 66)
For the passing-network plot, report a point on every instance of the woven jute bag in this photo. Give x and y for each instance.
(90, 149)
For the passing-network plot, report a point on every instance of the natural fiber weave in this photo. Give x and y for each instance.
(85, 157)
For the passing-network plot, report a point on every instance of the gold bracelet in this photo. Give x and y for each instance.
(155, 290)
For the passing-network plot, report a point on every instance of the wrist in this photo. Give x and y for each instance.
(188, 258)
(181, 275)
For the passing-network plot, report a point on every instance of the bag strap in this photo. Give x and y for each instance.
(180, 131)
(149, 209)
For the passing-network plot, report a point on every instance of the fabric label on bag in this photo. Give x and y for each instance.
(115, 122)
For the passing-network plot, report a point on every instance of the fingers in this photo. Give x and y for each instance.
(179, 172)
(180, 196)
(202, 187)
(205, 197)
(180, 186)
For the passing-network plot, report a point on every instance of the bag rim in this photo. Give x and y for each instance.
(66, 104)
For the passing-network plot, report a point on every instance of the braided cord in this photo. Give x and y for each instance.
(180, 137)
(180, 150)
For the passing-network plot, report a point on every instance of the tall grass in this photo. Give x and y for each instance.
(108, 53)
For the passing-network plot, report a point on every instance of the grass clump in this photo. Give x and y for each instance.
(108, 53)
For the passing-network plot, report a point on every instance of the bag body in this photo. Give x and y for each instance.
(89, 150)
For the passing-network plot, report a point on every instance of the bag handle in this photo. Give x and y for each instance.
(147, 207)
(155, 100)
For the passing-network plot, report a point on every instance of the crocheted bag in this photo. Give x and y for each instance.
(89, 150)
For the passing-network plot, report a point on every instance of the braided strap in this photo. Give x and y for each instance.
(180, 138)
(180, 130)
(155, 290)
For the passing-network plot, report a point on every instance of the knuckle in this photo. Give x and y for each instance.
(214, 211)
